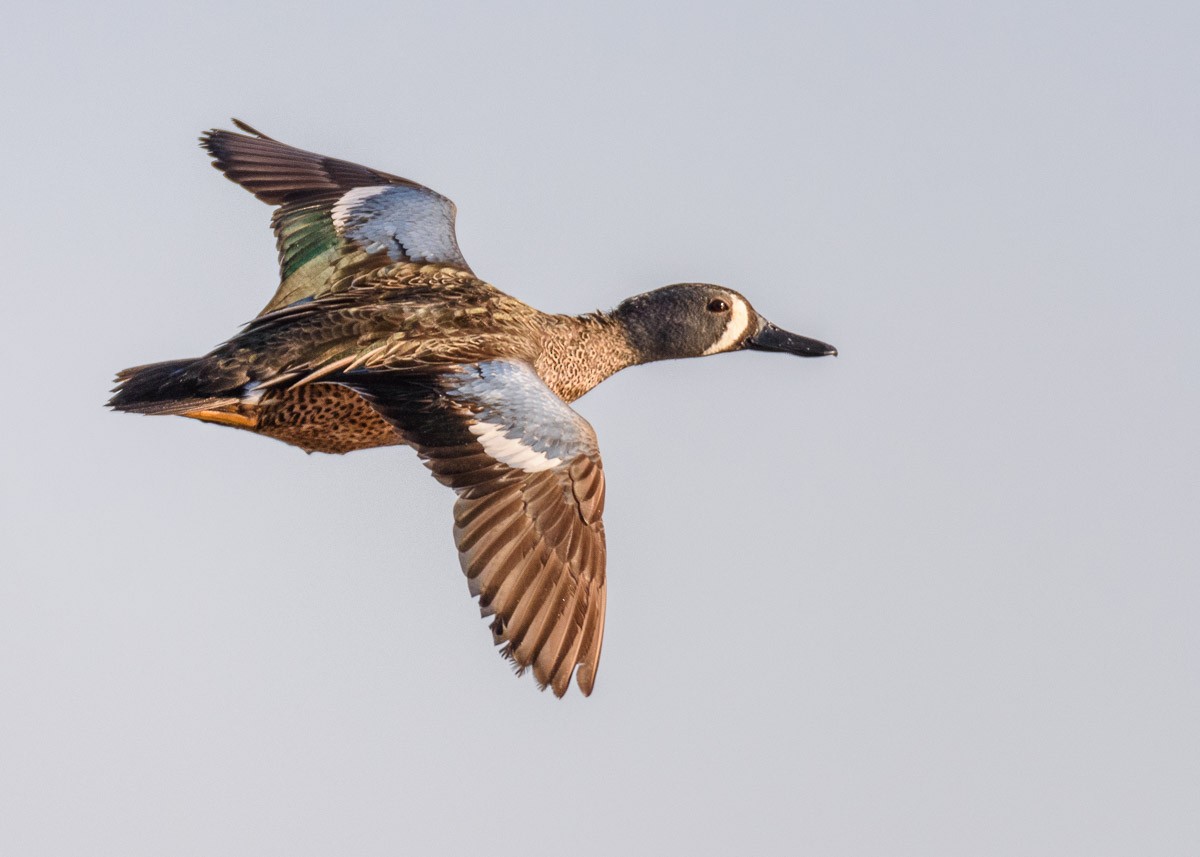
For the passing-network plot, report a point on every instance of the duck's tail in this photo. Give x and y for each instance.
(172, 387)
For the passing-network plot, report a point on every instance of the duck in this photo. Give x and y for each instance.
(380, 334)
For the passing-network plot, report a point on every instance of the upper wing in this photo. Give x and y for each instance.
(334, 218)
(530, 497)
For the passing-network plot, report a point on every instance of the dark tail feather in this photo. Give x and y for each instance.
(171, 387)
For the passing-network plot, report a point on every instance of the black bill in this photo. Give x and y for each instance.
(772, 338)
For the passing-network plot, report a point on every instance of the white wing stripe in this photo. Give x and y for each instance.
(344, 207)
(511, 452)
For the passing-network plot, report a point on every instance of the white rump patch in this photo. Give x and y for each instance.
(511, 452)
(343, 208)
(739, 320)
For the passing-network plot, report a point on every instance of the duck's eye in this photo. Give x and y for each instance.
(717, 305)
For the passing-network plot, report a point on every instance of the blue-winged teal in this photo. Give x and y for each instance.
(381, 334)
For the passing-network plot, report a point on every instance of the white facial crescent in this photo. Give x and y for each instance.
(739, 321)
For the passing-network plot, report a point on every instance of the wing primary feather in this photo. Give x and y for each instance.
(568, 655)
(496, 550)
(534, 591)
(550, 593)
(537, 641)
(593, 636)
(508, 596)
(486, 522)
(242, 126)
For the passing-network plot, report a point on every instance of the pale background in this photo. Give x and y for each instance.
(937, 596)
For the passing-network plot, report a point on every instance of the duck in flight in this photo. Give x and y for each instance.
(381, 334)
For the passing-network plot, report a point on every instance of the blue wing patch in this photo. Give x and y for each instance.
(518, 419)
(409, 223)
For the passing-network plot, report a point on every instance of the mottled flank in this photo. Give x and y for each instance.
(380, 335)
(323, 418)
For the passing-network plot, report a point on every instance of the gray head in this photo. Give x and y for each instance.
(697, 319)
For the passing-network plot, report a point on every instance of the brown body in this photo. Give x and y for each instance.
(395, 315)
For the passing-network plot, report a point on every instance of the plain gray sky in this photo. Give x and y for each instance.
(937, 596)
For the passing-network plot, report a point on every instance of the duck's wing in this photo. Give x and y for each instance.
(527, 521)
(334, 219)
